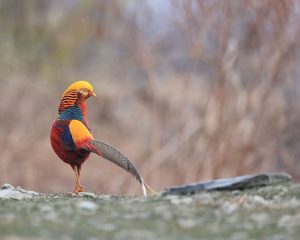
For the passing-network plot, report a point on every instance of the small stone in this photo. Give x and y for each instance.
(278, 237)
(260, 218)
(187, 223)
(229, 207)
(46, 208)
(182, 200)
(20, 189)
(87, 194)
(289, 221)
(107, 227)
(105, 197)
(296, 188)
(277, 199)
(33, 193)
(285, 220)
(163, 212)
(238, 236)
(187, 200)
(294, 203)
(260, 200)
(48, 213)
(87, 205)
(236, 192)
(205, 198)
(27, 192)
(92, 238)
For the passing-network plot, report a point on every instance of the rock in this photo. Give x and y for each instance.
(230, 184)
(259, 218)
(87, 205)
(205, 198)
(238, 236)
(8, 191)
(107, 227)
(259, 200)
(7, 186)
(27, 192)
(187, 223)
(229, 207)
(11, 194)
(87, 194)
(105, 197)
(289, 221)
(48, 212)
(181, 200)
(163, 212)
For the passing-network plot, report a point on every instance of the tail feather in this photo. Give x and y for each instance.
(150, 189)
(110, 153)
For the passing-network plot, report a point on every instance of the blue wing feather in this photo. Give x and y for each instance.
(64, 136)
(67, 139)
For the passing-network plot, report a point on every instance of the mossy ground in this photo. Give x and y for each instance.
(265, 213)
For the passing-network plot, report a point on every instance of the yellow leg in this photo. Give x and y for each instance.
(78, 187)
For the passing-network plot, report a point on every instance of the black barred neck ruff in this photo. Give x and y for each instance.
(73, 106)
(71, 98)
(68, 100)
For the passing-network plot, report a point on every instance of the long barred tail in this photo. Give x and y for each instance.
(110, 153)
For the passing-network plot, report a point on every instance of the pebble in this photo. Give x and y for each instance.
(107, 227)
(187, 223)
(238, 236)
(49, 213)
(181, 200)
(87, 194)
(229, 207)
(259, 200)
(205, 198)
(260, 218)
(87, 205)
(27, 192)
(163, 212)
(289, 221)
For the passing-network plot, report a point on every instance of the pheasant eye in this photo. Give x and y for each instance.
(84, 91)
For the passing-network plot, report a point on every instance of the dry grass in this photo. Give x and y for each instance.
(208, 90)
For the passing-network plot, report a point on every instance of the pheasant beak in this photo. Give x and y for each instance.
(94, 94)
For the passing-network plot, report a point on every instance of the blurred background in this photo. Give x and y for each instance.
(188, 90)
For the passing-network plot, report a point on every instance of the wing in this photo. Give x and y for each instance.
(80, 133)
(61, 136)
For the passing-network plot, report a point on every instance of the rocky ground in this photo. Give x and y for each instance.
(270, 212)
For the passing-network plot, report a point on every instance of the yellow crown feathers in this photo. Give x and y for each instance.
(79, 85)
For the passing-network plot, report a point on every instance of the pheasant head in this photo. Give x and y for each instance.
(81, 87)
(76, 93)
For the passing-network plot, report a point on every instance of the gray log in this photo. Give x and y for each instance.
(229, 184)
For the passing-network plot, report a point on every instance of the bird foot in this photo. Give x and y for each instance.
(78, 189)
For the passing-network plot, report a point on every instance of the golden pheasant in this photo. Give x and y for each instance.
(71, 138)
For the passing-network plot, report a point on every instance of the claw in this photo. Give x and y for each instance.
(78, 189)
